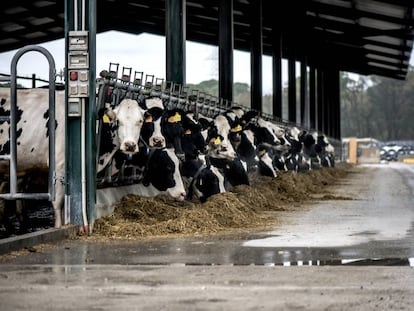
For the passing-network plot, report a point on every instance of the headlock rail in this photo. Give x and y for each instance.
(113, 87)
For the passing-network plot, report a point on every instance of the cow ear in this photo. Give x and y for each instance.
(205, 124)
(111, 114)
(101, 112)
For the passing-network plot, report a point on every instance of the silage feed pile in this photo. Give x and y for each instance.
(244, 207)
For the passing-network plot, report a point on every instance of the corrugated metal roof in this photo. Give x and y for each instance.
(360, 36)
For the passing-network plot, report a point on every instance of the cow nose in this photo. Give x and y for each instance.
(157, 142)
(130, 146)
(181, 196)
(224, 147)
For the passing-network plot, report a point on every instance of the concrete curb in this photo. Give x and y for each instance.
(30, 239)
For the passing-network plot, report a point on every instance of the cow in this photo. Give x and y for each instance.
(159, 165)
(33, 138)
(203, 179)
(182, 133)
(327, 153)
(163, 172)
(129, 117)
(266, 164)
(151, 132)
(219, 145)
(120, 133)
(222, 154)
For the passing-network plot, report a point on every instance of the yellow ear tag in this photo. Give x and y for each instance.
(217, 141)
(148, 119)
(187, 132)
(262, 152)
(105, 119)
(175, 118)
(237, 128)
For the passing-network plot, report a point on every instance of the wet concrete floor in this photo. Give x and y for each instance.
(348, 246)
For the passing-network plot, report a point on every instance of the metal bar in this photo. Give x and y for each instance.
(13, 118)
(21, 196)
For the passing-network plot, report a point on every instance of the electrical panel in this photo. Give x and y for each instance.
(78, 70)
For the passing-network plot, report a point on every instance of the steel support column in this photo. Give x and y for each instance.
(292, 90)
(91, 115)
(226, 46)
(73, 133)
(304, 102)
(277, 72)
(256, 52)
(312, 98)
(80, 177)
(332, 93)
(175, 36)
(320, 100)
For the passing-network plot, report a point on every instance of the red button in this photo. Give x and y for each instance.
(73, 76)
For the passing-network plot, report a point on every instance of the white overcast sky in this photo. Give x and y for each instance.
(144, 53)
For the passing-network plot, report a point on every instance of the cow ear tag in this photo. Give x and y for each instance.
(237, 128)
(105, 118)
(175, 118)
(187, 132)
(217, 141)
(262, 152)
(148, 119)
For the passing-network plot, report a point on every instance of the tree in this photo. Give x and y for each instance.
(378, 107)
(354, 106)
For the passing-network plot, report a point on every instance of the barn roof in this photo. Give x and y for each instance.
(361, 36)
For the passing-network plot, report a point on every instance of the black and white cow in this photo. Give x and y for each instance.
(33, 138)
(221, 152)
(158, 165)
(120, 133)
(182, 133)
(327, 153)
(203, 179)
(151, 132)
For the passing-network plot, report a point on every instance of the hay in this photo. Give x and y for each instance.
(244, 207)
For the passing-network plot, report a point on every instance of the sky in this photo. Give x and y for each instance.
(146, 53)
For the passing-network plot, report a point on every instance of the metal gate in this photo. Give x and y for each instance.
(12, 118)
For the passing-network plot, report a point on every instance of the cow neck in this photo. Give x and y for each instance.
(190, 187)
(144, 142)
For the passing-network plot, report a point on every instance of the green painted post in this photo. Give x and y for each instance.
(73, 137)
(91, 146)
(74, 123)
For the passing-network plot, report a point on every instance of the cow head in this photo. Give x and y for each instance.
(219, 145)
(163, 173)
(193, 142)
(129, 117)
(173, 131)
(209, 182)
(204, 179)
(151, 130)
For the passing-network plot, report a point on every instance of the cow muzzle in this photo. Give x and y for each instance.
(157, 142)
(130, 147)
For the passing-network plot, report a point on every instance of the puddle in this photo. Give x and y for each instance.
(336, 262)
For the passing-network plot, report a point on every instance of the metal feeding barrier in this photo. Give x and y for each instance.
(113, 86)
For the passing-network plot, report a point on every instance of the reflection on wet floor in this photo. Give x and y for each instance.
(337, 262)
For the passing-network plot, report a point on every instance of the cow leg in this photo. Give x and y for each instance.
(59, 203)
